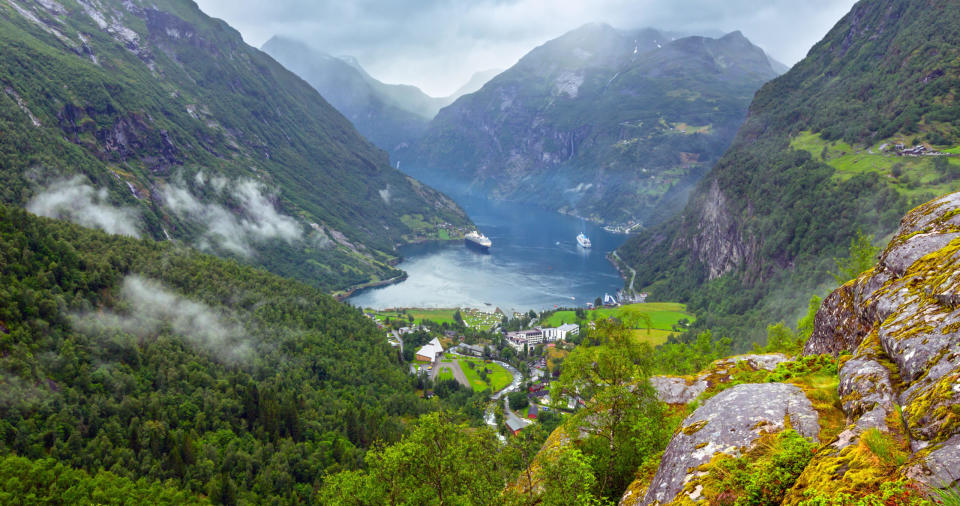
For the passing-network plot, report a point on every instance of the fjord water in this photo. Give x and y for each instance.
(534, 263)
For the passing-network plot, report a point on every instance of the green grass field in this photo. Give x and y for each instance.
(444, 374)
(498, 377)
(917, 174)
(472, 317)
(654, 337)
(663, 315)
(435, 315)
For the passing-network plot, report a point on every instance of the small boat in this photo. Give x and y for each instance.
(583, 241)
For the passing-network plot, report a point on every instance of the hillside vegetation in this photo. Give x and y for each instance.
(806, 170)
(152, 119)
(154, 362)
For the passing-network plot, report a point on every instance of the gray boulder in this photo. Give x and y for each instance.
(676, 390)
(682, 390)
(729, 422)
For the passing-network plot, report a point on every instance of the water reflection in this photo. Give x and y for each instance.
(534, 262)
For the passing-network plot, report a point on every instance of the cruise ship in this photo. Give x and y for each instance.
(478, 241)
(583, 241)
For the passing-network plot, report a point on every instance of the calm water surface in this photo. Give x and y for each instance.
(534, 263)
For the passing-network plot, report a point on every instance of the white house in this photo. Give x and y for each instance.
(430, 351)
(561, 332)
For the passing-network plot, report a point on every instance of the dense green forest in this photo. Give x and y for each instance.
(152, 361)
(814, 163)
(175, 118)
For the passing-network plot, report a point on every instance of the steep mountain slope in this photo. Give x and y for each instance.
(817, 158)
(477, 80)
(155, 362)
(350, 90)
(166, 112)
(392, 116)
(614, 126)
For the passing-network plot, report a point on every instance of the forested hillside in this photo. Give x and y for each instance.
(615, 126)
(154, 362)
(152, 119)
(827, 149)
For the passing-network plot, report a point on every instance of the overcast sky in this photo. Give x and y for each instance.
(438, 44)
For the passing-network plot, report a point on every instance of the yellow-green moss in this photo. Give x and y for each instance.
(694, 427)
(935, 408)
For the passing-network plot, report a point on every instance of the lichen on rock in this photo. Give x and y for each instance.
(902, 320)
(730, 422)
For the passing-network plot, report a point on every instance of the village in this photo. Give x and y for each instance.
(516, 361)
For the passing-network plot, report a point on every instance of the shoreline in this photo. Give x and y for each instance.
(342, 295)
(353, 290)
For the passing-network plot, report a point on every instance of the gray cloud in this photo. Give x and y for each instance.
(256, 219)
(438, 44)
(77, 201)
(149, 306)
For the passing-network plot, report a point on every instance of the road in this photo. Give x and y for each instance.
(632, 270)
(507, 412)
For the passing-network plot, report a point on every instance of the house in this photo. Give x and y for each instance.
(515, 425)
(532, 412)
(471, 349)
(560, 333)
(430, 351)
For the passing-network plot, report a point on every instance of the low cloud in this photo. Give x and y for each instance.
(17, 392)
(439, 44)
(255, 219)
(151, 307)
(75, 200)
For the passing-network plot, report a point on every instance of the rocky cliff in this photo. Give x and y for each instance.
(875, 393)
(897, 330)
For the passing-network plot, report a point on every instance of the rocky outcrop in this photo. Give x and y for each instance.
(682, 390)
(730, 422)
(717, 241)
(901, 321)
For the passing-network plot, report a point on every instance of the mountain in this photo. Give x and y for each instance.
(392, 116)
(352, 91)
(828, 148)
(152, 119)
(610, 125)
(477, 80)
